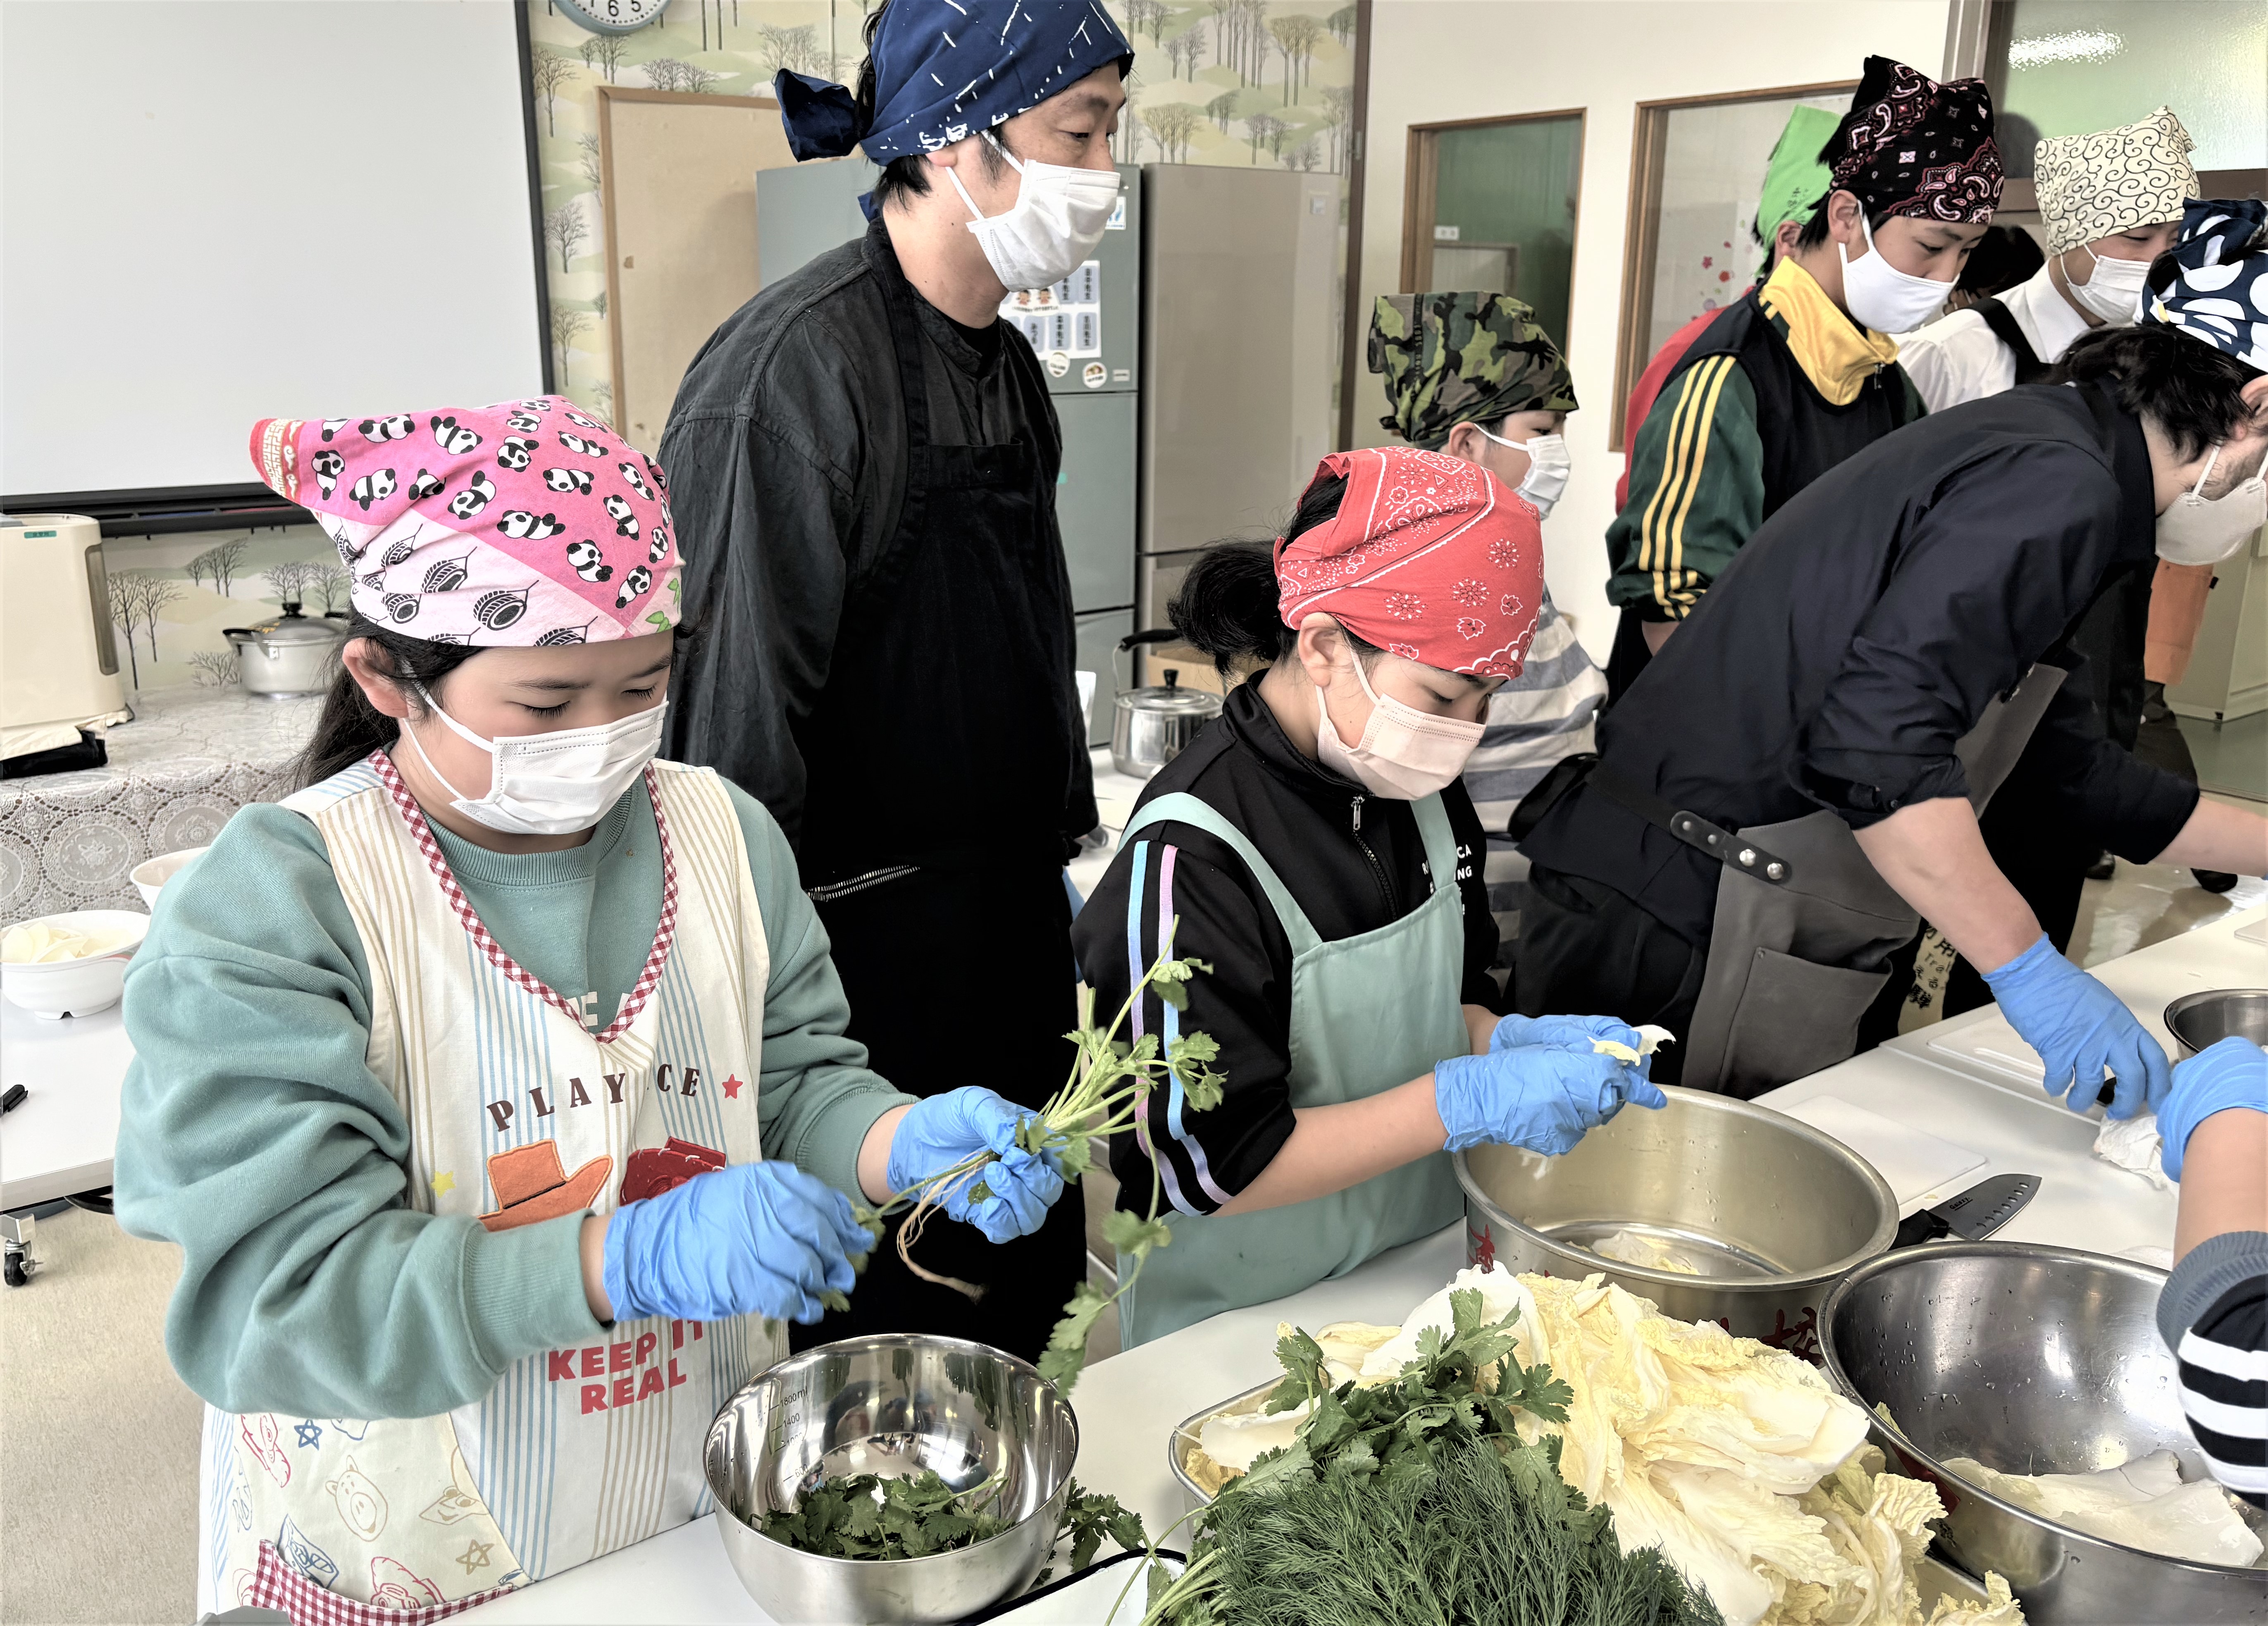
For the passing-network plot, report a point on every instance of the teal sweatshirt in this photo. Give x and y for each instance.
(253, 1133)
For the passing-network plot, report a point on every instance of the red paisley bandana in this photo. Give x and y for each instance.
(1429, 557)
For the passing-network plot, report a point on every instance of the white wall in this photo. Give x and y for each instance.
(1437, 59)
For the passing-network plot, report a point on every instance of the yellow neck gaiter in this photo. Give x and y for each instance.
(1835, 354)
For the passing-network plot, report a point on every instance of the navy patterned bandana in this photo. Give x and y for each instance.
(945, 70)
(2214, 285)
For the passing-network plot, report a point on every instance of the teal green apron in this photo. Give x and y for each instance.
(1368, 1012)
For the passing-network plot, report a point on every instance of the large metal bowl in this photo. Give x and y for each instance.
(892, 1404)
(2196, 1021)
(1773, 1209)
(2030, 1360)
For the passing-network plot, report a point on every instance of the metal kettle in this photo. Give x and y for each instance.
(1152, 725)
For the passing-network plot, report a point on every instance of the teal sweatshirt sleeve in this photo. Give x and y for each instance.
(815, 1098)
(255, 1137)
(252, 1136)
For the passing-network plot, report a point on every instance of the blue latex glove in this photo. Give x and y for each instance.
(2079, 1027)
(1562, 1033)
(1533, 1096)
(763, 1239)
(2231, 1073)
(943, 1130)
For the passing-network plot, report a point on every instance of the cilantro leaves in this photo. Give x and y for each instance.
(865, 1516)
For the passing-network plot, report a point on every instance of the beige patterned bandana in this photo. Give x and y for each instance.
(2113, 180)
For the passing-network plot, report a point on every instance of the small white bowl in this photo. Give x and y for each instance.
(64, 988)
(150, 877)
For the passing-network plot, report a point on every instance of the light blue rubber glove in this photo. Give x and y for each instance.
(755, 1239)
(1562, 1033)
(1533, 1096)
(943, 1130)
(2079, 1027)
(2232, 1073)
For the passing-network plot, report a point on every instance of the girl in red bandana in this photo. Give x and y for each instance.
(1313, 846)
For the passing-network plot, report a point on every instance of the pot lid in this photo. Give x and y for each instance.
(292, 627)
(1172, 701)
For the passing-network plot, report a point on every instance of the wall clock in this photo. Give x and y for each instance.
(614, 16)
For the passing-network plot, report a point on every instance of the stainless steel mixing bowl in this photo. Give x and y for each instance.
(2030, 1360)
(891, 1404)
(2196, 1021)
(1771, 1209)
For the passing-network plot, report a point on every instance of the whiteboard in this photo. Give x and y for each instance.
(222, 211)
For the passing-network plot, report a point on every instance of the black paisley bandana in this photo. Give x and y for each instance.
(1911, 146)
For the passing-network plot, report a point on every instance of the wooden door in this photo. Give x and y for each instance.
(678, 182)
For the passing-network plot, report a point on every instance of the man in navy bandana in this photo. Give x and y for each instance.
(863, 468)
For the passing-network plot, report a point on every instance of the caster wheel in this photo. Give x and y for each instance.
(14, 1272)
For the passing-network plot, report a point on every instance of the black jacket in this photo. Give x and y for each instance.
(1353, 862)
(1865, 629)
(786, 454)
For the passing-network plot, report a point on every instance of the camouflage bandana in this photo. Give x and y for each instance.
(1455, 358)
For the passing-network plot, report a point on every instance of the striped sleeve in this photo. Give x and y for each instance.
(1696, 491)
(1196, 1161)
(2222, 1366)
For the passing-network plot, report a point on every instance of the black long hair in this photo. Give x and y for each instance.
(351, 728)
(1228, 604)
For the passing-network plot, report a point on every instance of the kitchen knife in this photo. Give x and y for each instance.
(1976, 1214)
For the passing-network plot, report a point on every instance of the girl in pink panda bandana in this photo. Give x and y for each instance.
(495, 1082)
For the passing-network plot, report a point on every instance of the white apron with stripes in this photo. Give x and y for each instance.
(516, 1113)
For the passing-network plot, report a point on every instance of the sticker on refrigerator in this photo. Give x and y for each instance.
(1095, 376)
(1117, 221)
(1059, 363)
(1064, 317)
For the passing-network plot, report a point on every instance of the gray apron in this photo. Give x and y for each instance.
(1368, 1012)
(1795, 962)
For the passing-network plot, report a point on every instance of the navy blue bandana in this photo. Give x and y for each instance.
(945, 70)
(2214, 285)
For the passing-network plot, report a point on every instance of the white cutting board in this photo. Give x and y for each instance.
(1990, 1042)
(2257, 932)
(1910, 1161)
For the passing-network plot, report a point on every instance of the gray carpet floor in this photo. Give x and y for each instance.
(97, 1436)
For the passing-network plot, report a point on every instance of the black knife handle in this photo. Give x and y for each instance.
(1922, 1225)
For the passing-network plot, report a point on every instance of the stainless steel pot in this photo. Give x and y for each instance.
(891, 1404)
(1153, 725)
(2030, 1360)
(2196, 1021)
(291, 655)
(1772, 1210)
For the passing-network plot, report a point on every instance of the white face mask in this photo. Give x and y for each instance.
(555, 783)
(1047, 232)
(1880, 295)
(2202, 530)
(1547, 466)
(2113, 290)
(1405, 755)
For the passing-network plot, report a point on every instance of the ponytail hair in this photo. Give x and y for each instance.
(351, 728)
(1228, 605)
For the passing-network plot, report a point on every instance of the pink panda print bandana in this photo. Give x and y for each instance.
(526, 523)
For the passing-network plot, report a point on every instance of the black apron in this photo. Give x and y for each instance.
(946, 756)
(1805, 929)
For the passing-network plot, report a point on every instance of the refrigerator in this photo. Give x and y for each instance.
(1239, 350)
(1086, 331)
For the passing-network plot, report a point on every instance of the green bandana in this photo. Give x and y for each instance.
(1795, 181)
(1450, 358)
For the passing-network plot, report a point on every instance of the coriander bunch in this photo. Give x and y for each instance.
(1110, 1079)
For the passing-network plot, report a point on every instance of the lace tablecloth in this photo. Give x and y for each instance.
(190, 758)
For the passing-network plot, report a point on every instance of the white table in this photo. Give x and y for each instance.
(59, 1142)
(1981, 1045)
(1128, 1404)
